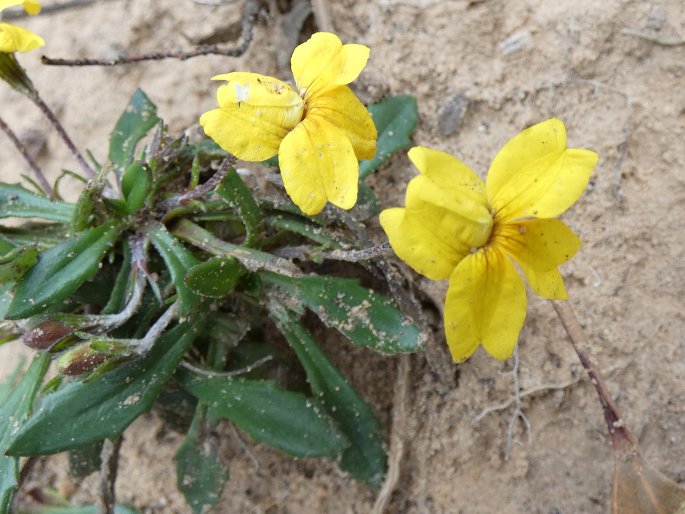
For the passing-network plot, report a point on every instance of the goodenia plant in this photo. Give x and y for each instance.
(175, 283)
(181, 281)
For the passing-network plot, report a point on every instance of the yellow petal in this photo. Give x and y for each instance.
(535, 175)
(17, 39)
(323, 62)
(317, 165)
(448, 173)
(341, 108)
(485, 304)
(417, 245)
(539, 246)
(255, 114)
(463, 223)
(30, 6)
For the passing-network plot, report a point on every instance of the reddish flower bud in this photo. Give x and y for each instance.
(44, 335)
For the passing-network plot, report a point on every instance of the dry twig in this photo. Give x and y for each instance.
(653, 38)
(251, 8)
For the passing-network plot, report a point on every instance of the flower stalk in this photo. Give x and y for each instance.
(37, 172)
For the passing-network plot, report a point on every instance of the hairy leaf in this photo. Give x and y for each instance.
(17, 262)
(365, 459)
(178, 261)
(200, 475)
(238, 195)
(137, 119)
(214, 278)
(13, 412)
(15, 201)
(364, 316)
(61, 271)
(285, 420)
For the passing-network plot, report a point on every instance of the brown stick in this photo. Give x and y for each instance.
(622, 438)
(251, 9)
(38, 173)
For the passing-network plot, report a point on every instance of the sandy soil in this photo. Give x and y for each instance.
(619, 94)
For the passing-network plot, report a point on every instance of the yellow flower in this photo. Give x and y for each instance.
(319, 129)
(16, 39)
(455, 227)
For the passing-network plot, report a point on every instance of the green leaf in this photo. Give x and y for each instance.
(136, 184)
(136, 121)
(238, 195)
(364, 316)
(14, 410)
(15, 201)
(6, 245)
(178, 261)
(81, 413)
(119, 292)
(5, 297)
(15, 263)
(395, 118)
(365, 459)
(285, 420)
(61, 270)
(215, 278)
(200, 475)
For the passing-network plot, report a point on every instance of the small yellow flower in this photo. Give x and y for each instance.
(17, 39)
(319, 129)
(455, 227)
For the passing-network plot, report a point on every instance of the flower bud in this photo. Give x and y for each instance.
(80, 360)
(44, 335)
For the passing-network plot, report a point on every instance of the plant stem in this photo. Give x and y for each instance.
(35, 97)
(622, 438)
(38, 173)
(202, 189)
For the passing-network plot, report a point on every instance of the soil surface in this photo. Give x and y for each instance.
(481, 71)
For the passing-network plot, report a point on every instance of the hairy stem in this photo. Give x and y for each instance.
(35, 97)
(622, 438)
(37, 172)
